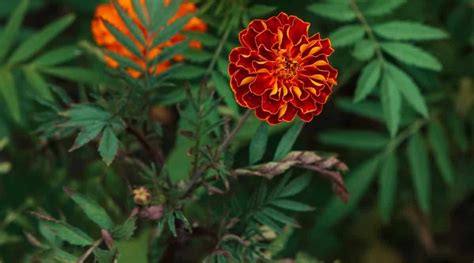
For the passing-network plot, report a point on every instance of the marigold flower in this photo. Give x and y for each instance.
(104, 38)
(280, 71)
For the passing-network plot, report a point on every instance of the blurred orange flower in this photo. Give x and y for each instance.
(105, 39)
(280, 71)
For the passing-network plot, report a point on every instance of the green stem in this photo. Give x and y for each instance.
(405, 134)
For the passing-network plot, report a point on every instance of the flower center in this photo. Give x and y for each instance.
(287, 68)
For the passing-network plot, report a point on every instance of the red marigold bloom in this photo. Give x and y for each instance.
(104, 38)
(280, 71)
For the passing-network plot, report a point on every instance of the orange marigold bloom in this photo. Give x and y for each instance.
(280, 71)
(104, 38)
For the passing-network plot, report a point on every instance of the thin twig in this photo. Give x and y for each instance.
(83, 258)
(155, 152)
(360, 16)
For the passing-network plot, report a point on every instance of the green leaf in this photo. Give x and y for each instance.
(368, 80)
(105, 256)
(288, 140)
(407, 88)
(295, 186)
(357, 183)
(391, 104)
(412, 55)
(388, 186)
(57, 56)
(367, 109)
(171, 224)
(125, 62)
(139, 10)
(258, 145)
(256, 11)
(125, 231)
(336, 11)
(407, 30)
(279, 216)
(123, 39)
(129, 23)
(364, 50)
(170, 30)
(347, 35)
(93, 211)
(38, 40)
(266, 220)
(9, 94)
(205, 39)
(108, 146)
(354, 139)
(12, 27)
(197, 55)
(382, 7)
(38, 83)
(419, 166)
(170, 52)
(89, 133)
(292, 205)
(79, 74)
(439, 145)
(159, 19)
(70, 234)
(188, 72)
(224, 90)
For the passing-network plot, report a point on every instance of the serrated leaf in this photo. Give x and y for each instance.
(347, 35)
(407, 88)
(256, 11)
(357, 183)
(9, 94)
(368, 80)
(105, 256)
(258, 145)
(439, 145)
(336, 11)
(292, 205)
(129, 23)
(382, 7)
(288, 140)
(123, 39)
(38, 40)
(391, 104)
(408, 30)
(38, 83)
(170, 30)
(93, 211)
(70, 234)
(354, 139)
(57, 56)
(89, 133)
(295, 186)
(412, 55)
(7, 38)
(279, 216)
(388, 186)
(419, 166)
(108, 146)
(125, 231)
(223, 89)
(364, 50)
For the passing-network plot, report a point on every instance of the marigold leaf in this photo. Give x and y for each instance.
(439, 145)
(368, 80)
(129, 23)
(382, 7)
(355, 139)
(266, 220)
(108, 145)
(93, 211)
(38, 40)
(288, 140)
(125, 231)
(256, 11)
(223, 89)
(408, 30)
(123, 39)
(367, 109)
(165, 13)
(88, 134)
(258, 145)
(7, 38)
(70, 234)
(388, 185)
(419, 166)
(279, 216)
(347, 35)
(358, 182)
(38, 83)
(336, 11)
(391, 104)
(412, 55)
(171, 30)
(79, 74)
(292, 205)
(408, 89)
(363, 50)
(57, 56)
(9, 94)
(296, 186)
